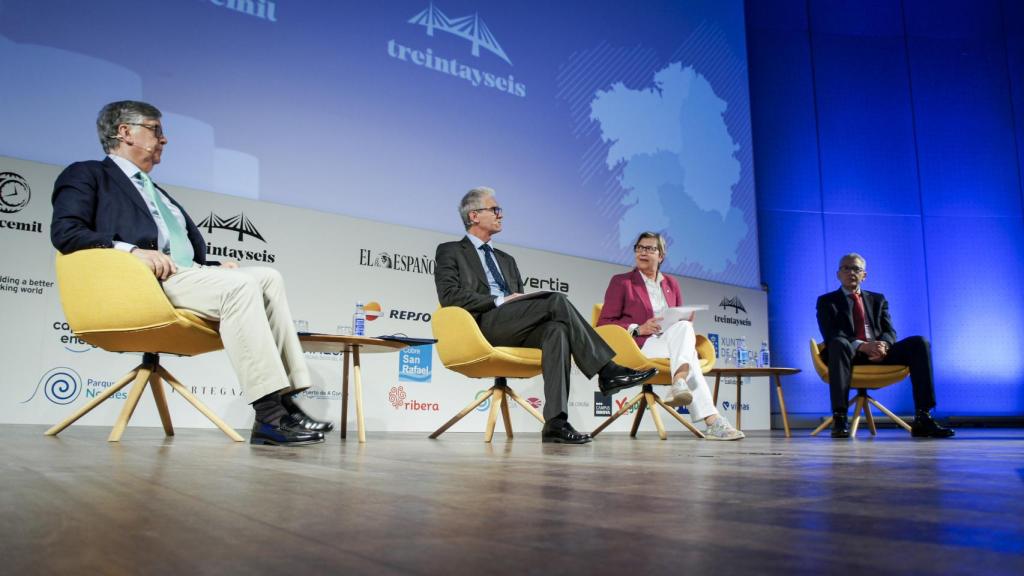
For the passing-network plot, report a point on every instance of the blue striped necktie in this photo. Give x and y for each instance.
(495, 273)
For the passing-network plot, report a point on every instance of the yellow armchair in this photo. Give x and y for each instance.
(864, 378)
(463, 349)
(113, 301)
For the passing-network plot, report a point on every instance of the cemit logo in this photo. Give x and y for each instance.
(14, 192)
(471, 28)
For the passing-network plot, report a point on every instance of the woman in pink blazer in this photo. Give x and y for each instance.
(636, 301)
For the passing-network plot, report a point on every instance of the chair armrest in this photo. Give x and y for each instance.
(104, 289)
(627, 353)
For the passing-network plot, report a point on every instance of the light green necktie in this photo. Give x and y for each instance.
(181, 249)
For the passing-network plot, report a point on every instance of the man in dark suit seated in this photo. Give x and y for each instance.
(473, 275)
(857, 329)
(114, 204)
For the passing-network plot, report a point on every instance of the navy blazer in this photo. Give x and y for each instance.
(835, 317)
(461, 281)
(96, 204)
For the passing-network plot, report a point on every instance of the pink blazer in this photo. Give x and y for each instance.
(626, 301)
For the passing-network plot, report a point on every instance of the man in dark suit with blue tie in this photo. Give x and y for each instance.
(857, 329)
(114, 204)
(473, 275)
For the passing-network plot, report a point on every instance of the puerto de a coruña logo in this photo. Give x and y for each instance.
(14, 192)
(397, 396)
(471, 28)
(60, 385)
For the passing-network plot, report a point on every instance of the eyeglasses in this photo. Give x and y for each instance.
(157, 129)
(495, 209)
(640, 249)
(854, 269)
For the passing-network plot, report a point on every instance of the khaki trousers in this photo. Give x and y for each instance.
(255, 323)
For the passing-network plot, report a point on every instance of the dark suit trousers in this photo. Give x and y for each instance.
(914, 352)
(549, 322)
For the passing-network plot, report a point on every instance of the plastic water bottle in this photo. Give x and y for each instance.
(359, 320)
(742, 355)
(764, 358)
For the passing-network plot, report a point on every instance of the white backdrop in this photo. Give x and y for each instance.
(329, 262)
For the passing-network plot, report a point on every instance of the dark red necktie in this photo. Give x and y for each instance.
(858, 316)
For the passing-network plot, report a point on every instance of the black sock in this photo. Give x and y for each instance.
(269, 409)
(288, 401)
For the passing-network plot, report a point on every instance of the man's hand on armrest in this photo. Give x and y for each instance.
(160, 263)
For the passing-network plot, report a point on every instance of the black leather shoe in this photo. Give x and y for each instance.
(613, 378)
(561, 432)
(840, 426)
(925, 426)
(308, 423)
(289, 432)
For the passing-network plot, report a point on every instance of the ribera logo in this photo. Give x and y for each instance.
(737, 305)
(397, 397)
(242, 227)
(422, 264)
(471, 28)
(14, 195)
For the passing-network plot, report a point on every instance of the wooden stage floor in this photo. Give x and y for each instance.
(402, 504)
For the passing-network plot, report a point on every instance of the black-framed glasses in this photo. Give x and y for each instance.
(641, 249)
(854, 269)
(496, 210)
(157, 129)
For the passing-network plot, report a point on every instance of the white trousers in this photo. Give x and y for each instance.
(255, 323)
(679, 344)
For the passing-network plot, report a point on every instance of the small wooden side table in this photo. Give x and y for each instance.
(740, 373)
(349, 346)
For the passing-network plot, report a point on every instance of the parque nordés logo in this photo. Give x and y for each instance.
(60, 385)
(737, 306)
(241, 228)
(422, 264)
(15, 194)
(471, 28)
(398, 398)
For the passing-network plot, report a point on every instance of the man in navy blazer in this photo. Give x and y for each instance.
(114, 204)
(857, 329)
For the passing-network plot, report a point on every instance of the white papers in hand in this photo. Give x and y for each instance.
(672, 315)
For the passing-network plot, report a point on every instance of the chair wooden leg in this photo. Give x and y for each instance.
(184, 393)
(681, 420)
(124, 381)
(506, 418)
(828, 422)
(129, 405)
(869, 417)
(652, 404)
(156, 386)
(524, 404)
(462, 414)
(782, 404)
(620, 412)
(492, 415)
(639, 415)
(902, 423)
(857, 409)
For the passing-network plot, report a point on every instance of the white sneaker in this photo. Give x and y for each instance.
(722, 430)
(678, 395)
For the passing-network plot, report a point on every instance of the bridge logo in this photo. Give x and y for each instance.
(735, 303)
(471, 28)
(240, 224)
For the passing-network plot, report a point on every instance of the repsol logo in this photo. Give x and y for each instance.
(409, 315)
(552, 284)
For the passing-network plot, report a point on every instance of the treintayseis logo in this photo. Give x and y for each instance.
(471, 28)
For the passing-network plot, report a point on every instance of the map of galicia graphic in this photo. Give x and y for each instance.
(678, 164)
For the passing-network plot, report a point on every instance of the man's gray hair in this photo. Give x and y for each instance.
(124, 112)
(853, 256)
(473, 200)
